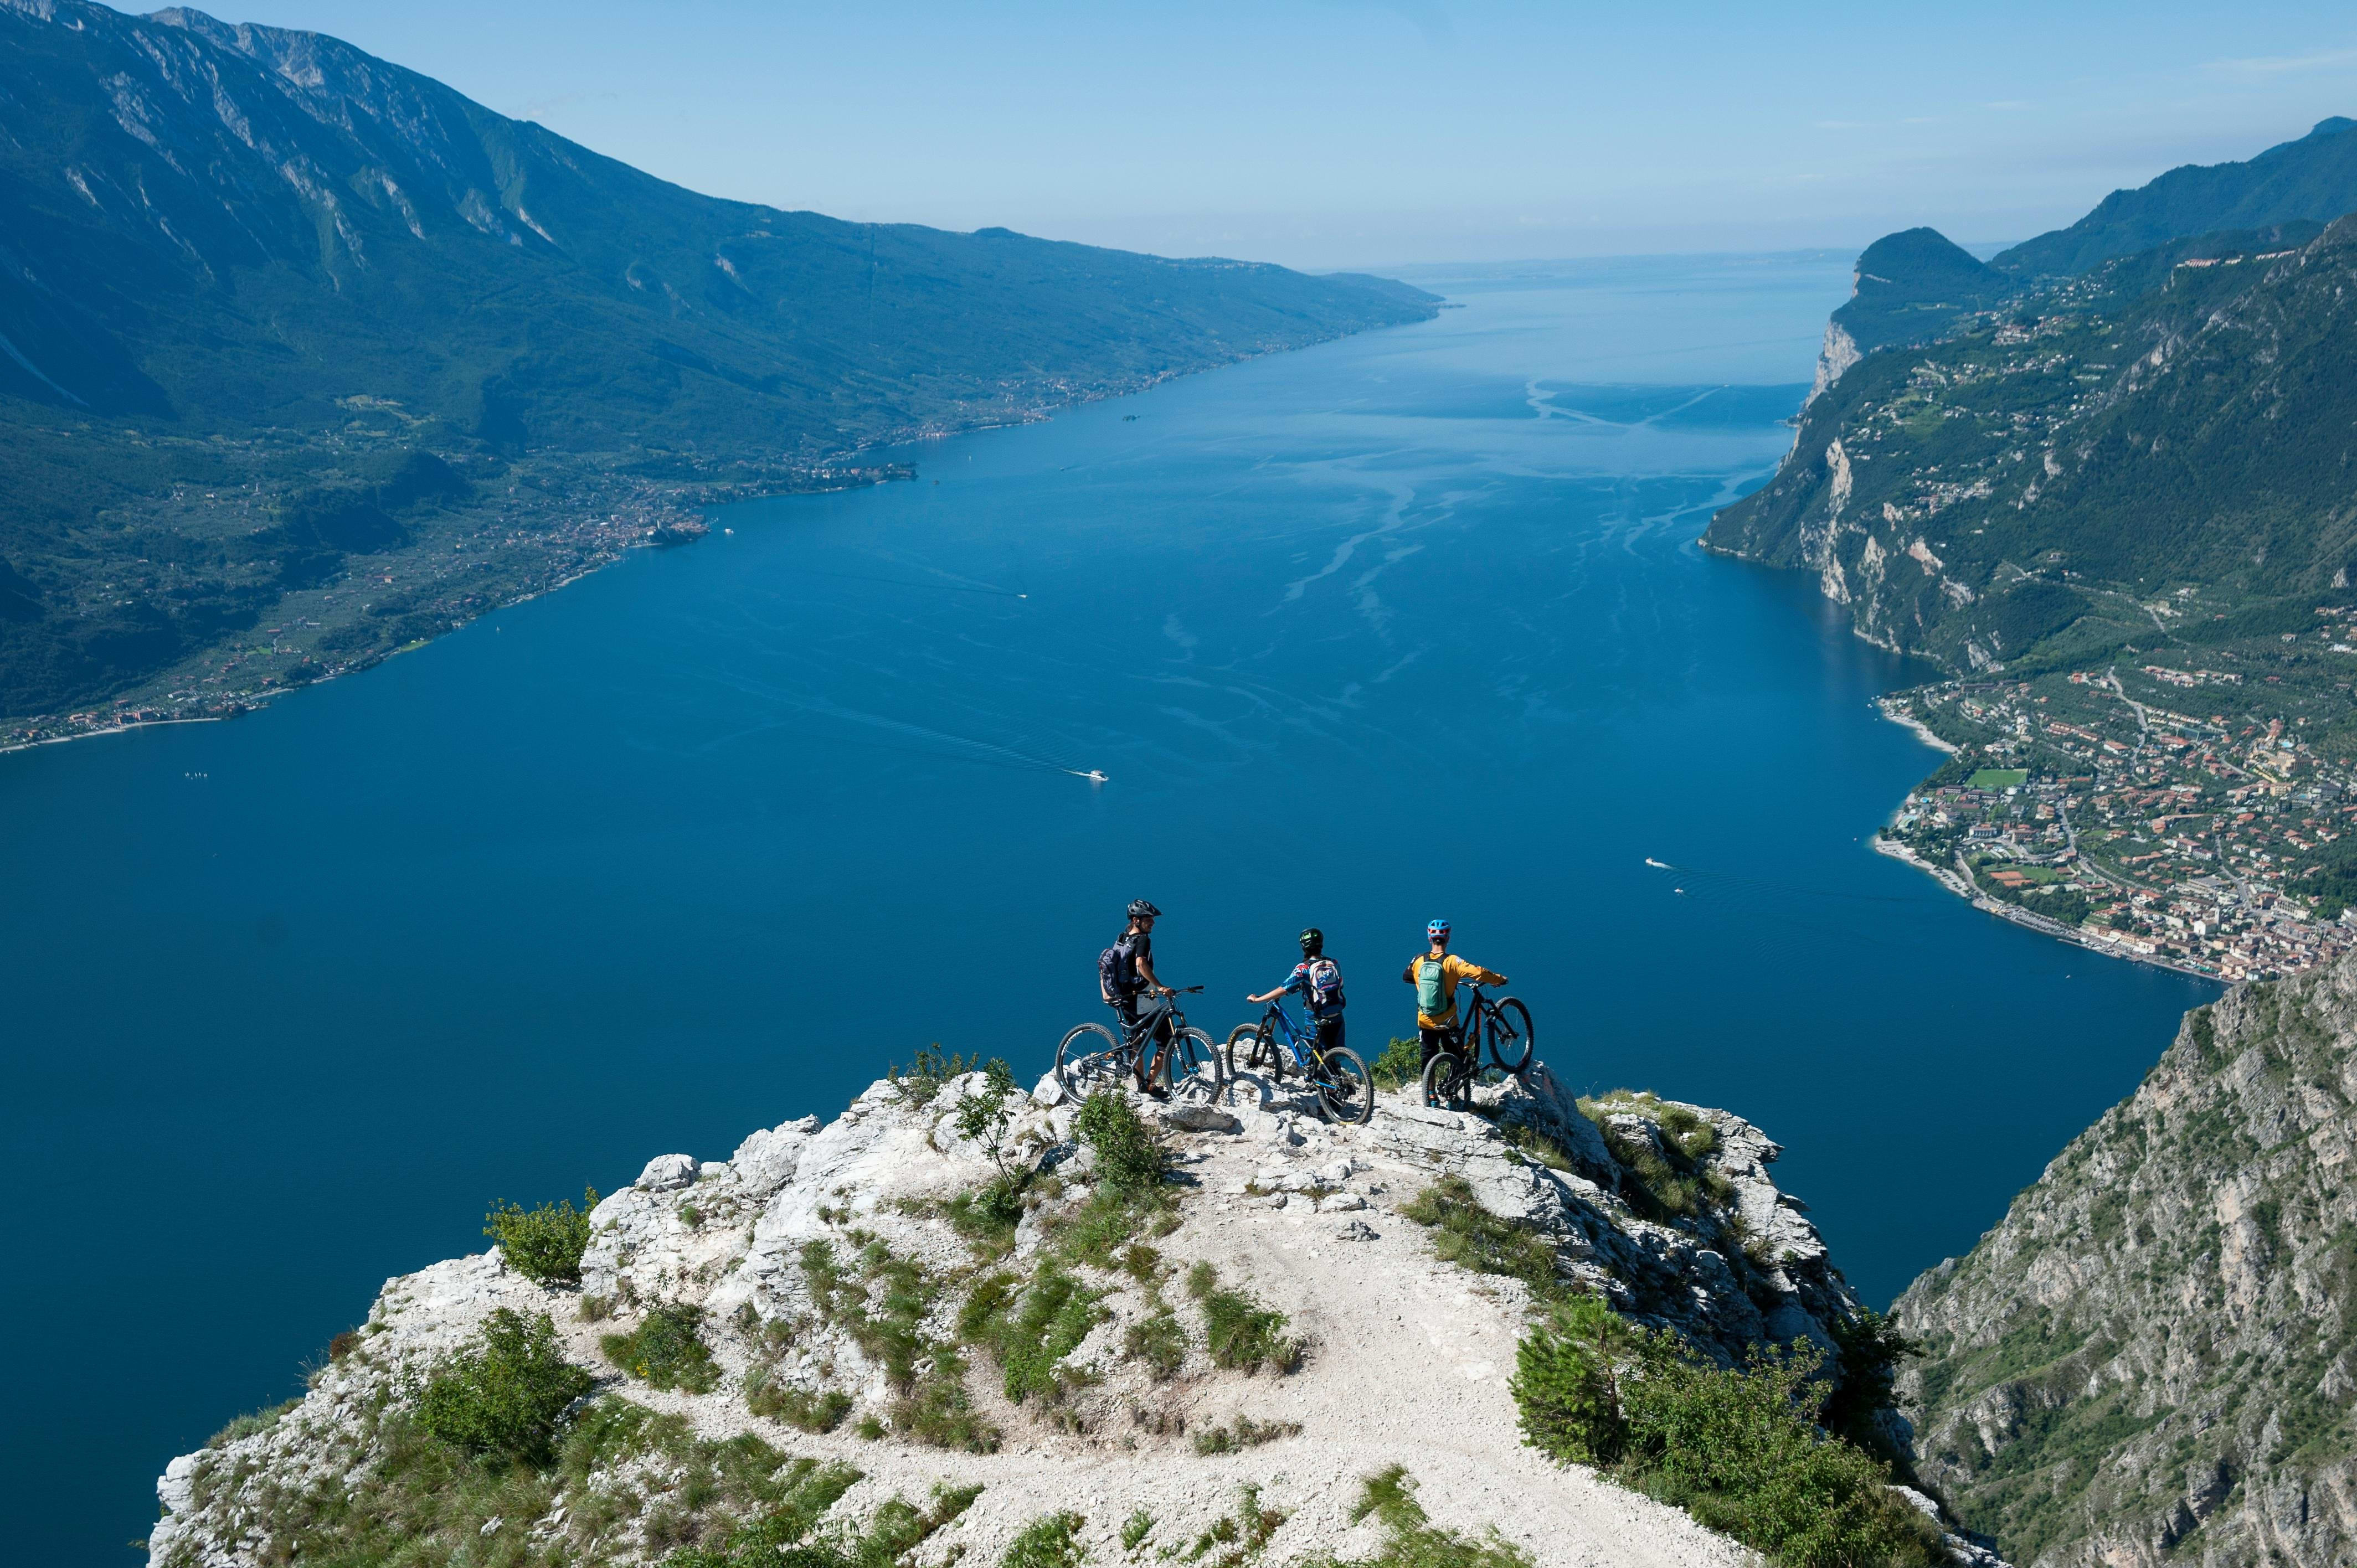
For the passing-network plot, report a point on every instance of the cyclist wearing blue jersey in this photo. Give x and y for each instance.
(1319, 980)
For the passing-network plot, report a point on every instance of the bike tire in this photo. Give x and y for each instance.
(1514, 1044)
(1255, 1059)
(1089, 1058)
(1344, 1087)
(1447, 1084)
(1197, 1070)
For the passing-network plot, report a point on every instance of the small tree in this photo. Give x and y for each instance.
(985, 1118)
(505, 1394)
(544, 1244)
(1566, 1382)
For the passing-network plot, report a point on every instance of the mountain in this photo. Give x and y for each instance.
(2313, 179)
(2153, 1358)
(1182, 1340)
(2022, 491)
(1912, 284)
(241, 258)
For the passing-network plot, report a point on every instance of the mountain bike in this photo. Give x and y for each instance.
(1276, 1042)
(1092, 1056)
(1505, 1025)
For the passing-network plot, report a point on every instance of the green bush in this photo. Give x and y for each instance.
(1869, 1347)
(1566, 1382)
(1412, 1541)
(1242, 1434)
(1468, 1235)
(1159, 1340)
(544, 1244)
(1401, 1064)
(1130, 1158)
(1051, 1541)
(1030, 1330)
(666, 1350)
(1738, 1448)
(1242, 1333)
(812, 1413)
(505, 1393)
(921, 1083)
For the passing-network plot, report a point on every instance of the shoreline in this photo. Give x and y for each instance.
(1955, 882)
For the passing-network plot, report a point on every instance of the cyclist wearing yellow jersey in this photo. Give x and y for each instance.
(1436, 974)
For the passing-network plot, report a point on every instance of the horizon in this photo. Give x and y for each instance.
(1201, 132)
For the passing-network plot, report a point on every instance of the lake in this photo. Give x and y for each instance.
(1404, 626)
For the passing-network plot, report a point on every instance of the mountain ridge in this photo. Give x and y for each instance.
(256, 261)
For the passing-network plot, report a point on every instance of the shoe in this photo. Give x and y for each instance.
(1155, 1091)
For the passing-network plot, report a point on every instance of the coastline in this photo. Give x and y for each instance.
(1955, 882)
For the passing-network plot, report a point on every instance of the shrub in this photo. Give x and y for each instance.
(505, 1393)
(1412, 1541)
(544, 1244)
(814, 1413)
(1242, 1434)
(1737, 1448)
(1051, 1541)
(667, 1350)
(1468, 1235)
(1869, 1347)
(1030, 1331)
(1401, 1064)
(921, 1083)
(985, 1118)
(1567, 1383)
(1159, 1341)
(1242, 1334)
(1130, 1158)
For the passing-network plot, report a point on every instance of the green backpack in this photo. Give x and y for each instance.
(1431, 996)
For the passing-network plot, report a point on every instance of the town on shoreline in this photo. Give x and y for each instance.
(2189, 808)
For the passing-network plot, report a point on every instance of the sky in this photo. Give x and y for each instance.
(1333, 132)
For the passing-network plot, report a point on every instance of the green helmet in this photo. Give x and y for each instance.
(1313, 941)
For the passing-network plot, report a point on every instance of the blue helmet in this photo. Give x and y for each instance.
(1437, 928)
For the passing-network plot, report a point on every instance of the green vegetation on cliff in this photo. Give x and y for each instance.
(2152, 1353)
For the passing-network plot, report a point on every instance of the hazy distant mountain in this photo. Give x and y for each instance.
(244, 257)
(2313, 179)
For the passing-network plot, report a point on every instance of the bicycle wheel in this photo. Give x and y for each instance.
(1447, 1084)
(1511, 1042)
(1343, 1086)
(1248, 1047)
(1197, 1073)
(1090, 1058)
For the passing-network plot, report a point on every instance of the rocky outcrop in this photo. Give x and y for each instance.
(2153, 1359)
(808, 1237)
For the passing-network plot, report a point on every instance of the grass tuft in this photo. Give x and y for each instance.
(666, 1350)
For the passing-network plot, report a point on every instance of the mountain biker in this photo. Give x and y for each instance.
(1125, 974)
(1435, 975)
(1319, 982)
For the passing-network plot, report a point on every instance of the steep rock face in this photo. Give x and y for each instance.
(2176, 422)
(2152, 1359)
(1406, 1358)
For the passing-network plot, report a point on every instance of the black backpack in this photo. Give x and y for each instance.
(1117, 967)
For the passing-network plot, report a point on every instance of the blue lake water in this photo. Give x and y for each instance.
(1407, 625)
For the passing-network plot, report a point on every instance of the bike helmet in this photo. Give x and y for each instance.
(1313, 941)
(1140, 909)
(1438, 929)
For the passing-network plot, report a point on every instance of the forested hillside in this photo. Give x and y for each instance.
(246, 272)
(2157, 449)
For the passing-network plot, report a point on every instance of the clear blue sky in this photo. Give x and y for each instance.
(1323, 133)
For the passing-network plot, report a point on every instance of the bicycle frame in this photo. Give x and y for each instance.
(1292, 1035)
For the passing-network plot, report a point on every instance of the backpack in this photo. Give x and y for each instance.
(1322, 984)
(1117, 968)
(1432, 998)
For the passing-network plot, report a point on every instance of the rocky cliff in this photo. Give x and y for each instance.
(867, 1344)
(2153, 1358)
